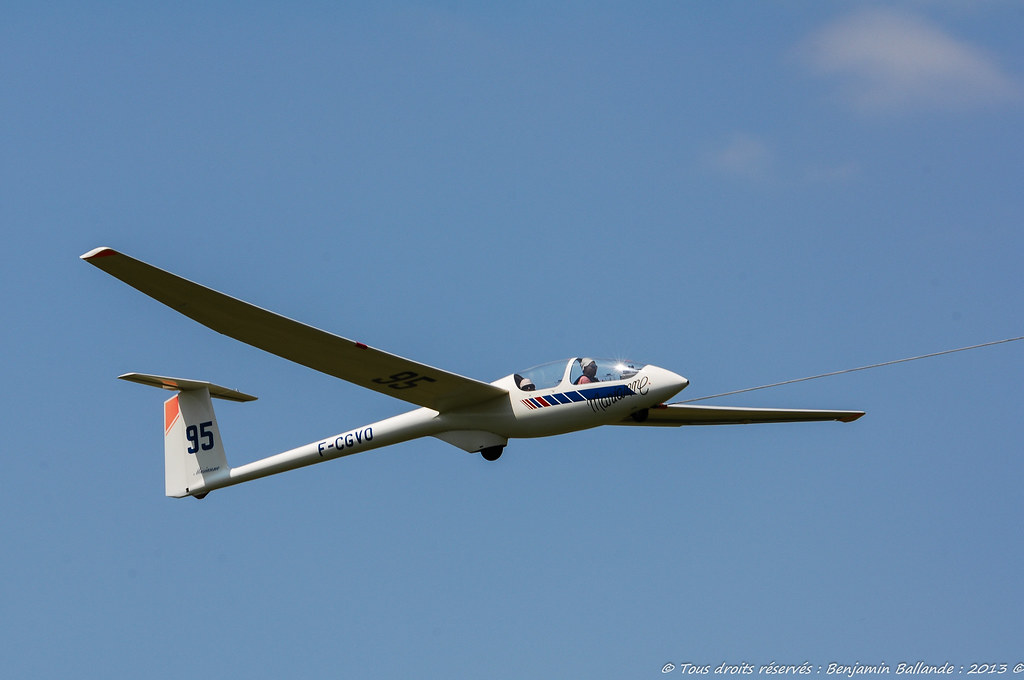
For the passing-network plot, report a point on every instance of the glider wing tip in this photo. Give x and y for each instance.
(102, 251)
(851, 416)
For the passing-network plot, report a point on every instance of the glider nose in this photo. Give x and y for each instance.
(666, 383)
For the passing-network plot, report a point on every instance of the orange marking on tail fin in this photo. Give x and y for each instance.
(171, 413)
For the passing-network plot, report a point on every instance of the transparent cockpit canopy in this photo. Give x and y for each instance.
(541, 377)
(572, 371)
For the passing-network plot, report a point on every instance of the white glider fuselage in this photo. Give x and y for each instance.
(518, 414)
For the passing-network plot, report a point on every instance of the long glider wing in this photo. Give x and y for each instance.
(322, 351)
(674, 415)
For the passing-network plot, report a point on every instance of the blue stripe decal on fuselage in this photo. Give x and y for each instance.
(614, 392)
(609, 392)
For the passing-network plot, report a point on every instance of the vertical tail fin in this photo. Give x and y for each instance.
(193, 449)
(194, 456)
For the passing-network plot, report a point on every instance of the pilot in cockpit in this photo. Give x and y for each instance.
(589, 367)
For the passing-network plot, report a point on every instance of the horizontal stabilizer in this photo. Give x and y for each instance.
(674, 415)
(182, 385)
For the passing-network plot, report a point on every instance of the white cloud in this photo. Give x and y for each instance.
(744, 156)
(890, 61)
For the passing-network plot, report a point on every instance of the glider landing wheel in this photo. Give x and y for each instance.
(492, 453)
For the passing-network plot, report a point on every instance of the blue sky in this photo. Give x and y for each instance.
(742, 193)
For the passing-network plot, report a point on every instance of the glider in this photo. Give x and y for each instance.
(478, 417)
